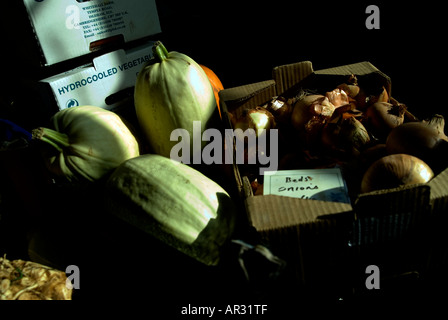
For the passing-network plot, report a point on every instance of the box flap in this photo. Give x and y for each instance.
(365, 71)
(288, 75)
(359, 68)
(439, 192)
(244, 92)
(439, 185)
(114, 58)
(236, 99)
(98, 83)
(407, 199)
(271, 211)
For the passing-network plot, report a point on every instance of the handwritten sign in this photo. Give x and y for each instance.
(317, 184)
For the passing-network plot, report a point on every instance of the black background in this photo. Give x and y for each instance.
(243, 41)
(243, 44)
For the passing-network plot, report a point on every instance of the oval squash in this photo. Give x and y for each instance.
(171, 92)
(86, 143)
(173, 202)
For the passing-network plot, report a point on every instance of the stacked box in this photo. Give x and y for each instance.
(90, 51)
(66, 29)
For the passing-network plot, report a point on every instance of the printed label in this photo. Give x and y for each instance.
(102, 75)
(101, 18)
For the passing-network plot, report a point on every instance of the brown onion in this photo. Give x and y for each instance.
(302, 112)
(352, 90)
(354, 135)
(337, 97)
(258, 119)
(438, 123)
(395, 170)
(348, 135)
(382, 117)
(383, 96)
(280, 108)
(420, 140)
(371, 154)
(310, 115)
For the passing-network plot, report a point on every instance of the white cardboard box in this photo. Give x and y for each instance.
(98, 82)
(67, 29)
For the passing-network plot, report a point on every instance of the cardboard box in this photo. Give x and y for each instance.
(65, 29)
(106, 82)
(323, 242)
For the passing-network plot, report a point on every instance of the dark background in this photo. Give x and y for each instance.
(243, 44)
(243, 41)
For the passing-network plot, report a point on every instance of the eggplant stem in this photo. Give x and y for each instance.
(57, 139)
(160, 51)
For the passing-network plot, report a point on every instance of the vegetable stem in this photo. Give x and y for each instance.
(52, 137)
(160, 51)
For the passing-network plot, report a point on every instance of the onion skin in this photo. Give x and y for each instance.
(301, 113)
(420, 140)
(258, 119)
(310, 115)
(338, 97)
(280, 108)
(352, 90)
(354, 134)
(394, 171)
(347, 136)
(438, 123)
(413, 138)
(417, 139)
(382, 117)
(381, 97)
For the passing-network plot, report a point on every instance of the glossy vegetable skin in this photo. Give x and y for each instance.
(394, 171)
(216, 85)
(173, 202)
(171, 92)
(85, 143)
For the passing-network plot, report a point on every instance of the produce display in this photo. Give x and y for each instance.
(216, 84)
(376, 141)
(174, 202)
(95, 148)
(85, 143)
(171, 92)
(27, 280)
(394, 170)
(360, 129)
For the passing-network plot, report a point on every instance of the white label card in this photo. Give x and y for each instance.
(315, 184)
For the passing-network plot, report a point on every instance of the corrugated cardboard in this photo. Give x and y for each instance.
(315, 236)
(65, 29)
